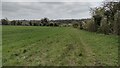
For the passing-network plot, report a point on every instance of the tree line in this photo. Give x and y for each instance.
(105, 19)
(42, 22)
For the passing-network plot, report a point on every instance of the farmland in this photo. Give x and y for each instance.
(56, 46)
(0, 46)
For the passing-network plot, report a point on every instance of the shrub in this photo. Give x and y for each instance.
(55, 24)
(116, 27)
(75, 25)
(84, 25)
(30, 23)
(45, 21)
(47, 24)
(105, 27)
(13, 22)
(51, 24)
(40, 24)
(4, 22)
(19, 23)
(91, 26)
(35, 24)
(81, 26)
(97, 19)
(69, 25)
(63, 25)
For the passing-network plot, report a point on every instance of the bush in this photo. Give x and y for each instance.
(84, 25)
(45, 21)
(30, 23)
(116, 27)
(4, 22)
(55, 24)
(91, 26)
(81, 26)
(19, 23)
(69, 25)
(75, 25)
(63, 25)
(36, 24)
(97, 19)
(105, 27)
(13, 22)
(40, 24)
(51, 24)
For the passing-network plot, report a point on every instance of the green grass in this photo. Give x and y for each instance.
(0, 46)
(56, 46)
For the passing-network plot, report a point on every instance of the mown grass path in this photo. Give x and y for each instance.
(56, 46)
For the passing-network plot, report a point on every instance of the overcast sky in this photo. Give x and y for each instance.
(24, 9)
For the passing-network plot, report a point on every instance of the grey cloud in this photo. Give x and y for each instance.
(52, 10)
(52, 0)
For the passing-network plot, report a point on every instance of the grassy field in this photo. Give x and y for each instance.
(0, 46)
(46, 46)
